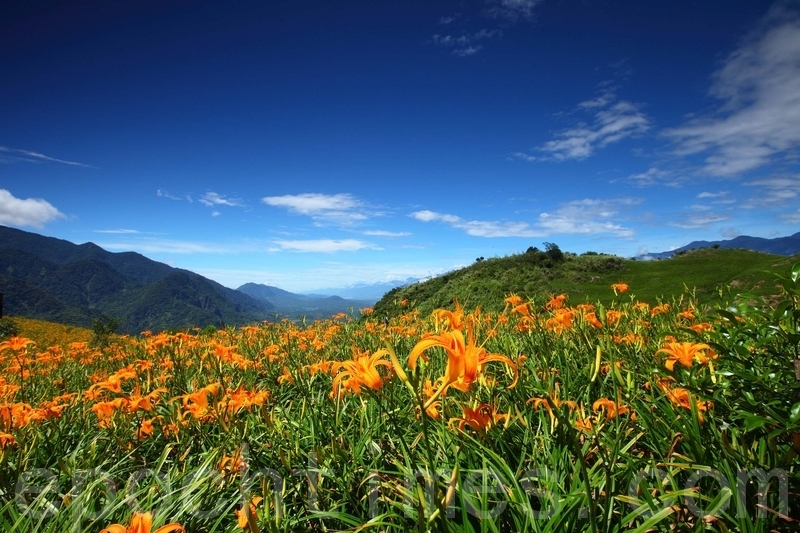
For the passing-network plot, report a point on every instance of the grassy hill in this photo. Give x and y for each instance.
(538, 274)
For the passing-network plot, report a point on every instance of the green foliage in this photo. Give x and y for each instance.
(8, 328)
(209, 330)
(103, 328)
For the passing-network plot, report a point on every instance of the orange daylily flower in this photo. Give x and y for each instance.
(612, 317)
(556, 302)
(431, 408)
(686, 353)
(362, 370)
(619, 288)
(464, 358)
(452, 319)
(555, 401)
(611, 408)
(105, 411)
(561, 320)
(6, 439)
(481, 418)
(145, 430)
(583, 424)
(682, 398)
(660, 309)
(142, 523)
(243, 513)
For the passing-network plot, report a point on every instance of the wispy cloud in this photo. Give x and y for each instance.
(444, 21)
(321, 245)
(792, 217)
(211, 199)
(698, 220)
(173, 246)
(586, 217)
(774, 191)
(654, 176)
(759, 88)
(15, 154)
(479, 228)
(383, 233)
(118, 231)
(344, 208)
(613, 121)
(164, 194)
(33, 212)
(512, 9)
(465, 44)
(718, 198)
(523, 156)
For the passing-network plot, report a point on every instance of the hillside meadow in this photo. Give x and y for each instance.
(544, 414)
(711, 276)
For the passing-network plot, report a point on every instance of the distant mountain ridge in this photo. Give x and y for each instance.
(366, 291)
(310, 306)
(789, 245)
(54, 279)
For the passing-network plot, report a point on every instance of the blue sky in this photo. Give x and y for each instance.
(319, 144)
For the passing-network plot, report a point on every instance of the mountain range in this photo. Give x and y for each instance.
(789, 245)
(53, 279)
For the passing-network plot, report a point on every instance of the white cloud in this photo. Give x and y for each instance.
(601, 101)
(718, 198)
(512, 9)
(759, 86)
(578, 217)
(468, 51)
(588, 217)
(321, 245)
(340, 208)
(149, 246)
(523, 156)
(383, 233)
(654, 176)
(480, 228)
(773, 192)
(464, 42)
(792, 217)
(698, 220)
(118, 231)
(612, 123)
(34, 157)
(33, 212)
(165, 194)
(212, 199)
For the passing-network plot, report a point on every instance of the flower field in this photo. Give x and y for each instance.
(548, 416)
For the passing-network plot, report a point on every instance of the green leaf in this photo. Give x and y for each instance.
(795, 274)
(748, 396)
(794, 414)
(780, 309)
(752, 422)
